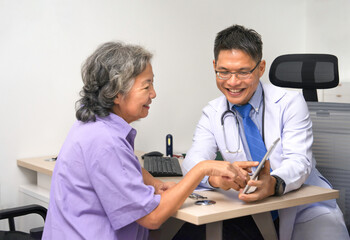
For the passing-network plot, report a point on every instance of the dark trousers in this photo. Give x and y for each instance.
(243, 228)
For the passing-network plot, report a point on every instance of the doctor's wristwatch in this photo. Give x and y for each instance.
(280, 185)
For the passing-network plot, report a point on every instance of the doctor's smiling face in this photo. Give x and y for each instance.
(240, 87)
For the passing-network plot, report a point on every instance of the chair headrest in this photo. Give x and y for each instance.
(306, 71)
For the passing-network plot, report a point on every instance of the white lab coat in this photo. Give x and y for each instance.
(287, 117)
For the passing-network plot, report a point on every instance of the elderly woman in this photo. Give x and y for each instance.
(99, 190)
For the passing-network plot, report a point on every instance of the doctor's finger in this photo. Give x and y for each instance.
(246, 174)
(241, 182)
(240, 171)
(241, 166)
(266, 168)
(251, 197)
(240, 174)
(246, 164)
(258, 194)
(233, 185)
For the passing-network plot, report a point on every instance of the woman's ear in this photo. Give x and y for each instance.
(117, 99)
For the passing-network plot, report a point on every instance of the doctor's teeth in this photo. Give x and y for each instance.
(234, 90)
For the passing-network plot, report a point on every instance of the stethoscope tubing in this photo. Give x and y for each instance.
(228, 110)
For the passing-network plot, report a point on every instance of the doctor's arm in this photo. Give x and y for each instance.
(294, 163)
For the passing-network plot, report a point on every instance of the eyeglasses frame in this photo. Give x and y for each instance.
(235, 73)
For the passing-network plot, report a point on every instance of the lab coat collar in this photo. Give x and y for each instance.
(272, 94)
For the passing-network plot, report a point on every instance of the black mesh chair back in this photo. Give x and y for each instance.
(306, 71)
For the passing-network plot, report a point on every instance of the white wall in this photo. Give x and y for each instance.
(328, 31)
(43, 44)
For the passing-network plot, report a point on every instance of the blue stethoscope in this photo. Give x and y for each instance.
(229, 111)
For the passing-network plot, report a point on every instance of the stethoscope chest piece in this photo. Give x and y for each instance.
(205, 202)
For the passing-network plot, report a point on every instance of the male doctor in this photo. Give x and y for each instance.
(276, 113)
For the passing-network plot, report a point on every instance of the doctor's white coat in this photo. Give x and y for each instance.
(286, 116)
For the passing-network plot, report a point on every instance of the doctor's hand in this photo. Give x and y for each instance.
(239, 181)
(265, 186)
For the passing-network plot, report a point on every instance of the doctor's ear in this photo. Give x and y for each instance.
(214, 64)
(262, 67)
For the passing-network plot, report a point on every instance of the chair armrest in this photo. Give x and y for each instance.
(37, 233)
(23, 210)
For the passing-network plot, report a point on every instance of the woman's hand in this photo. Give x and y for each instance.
(226, 175)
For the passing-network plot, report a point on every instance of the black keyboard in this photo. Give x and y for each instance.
(162, 166)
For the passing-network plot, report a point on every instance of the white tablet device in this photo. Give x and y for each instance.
(261, 164)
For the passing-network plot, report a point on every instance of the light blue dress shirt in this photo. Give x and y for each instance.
(256, 114)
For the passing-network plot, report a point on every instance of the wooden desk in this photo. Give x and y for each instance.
(227, 204)
(38, 164)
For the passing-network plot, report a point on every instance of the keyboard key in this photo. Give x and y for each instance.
(162, 166)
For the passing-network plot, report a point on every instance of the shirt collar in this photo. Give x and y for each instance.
(121, 125)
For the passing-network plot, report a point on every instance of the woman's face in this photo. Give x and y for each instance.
(136, 103)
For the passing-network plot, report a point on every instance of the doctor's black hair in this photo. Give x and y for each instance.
(241, 38)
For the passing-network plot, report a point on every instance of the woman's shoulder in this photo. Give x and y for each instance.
(95, 133)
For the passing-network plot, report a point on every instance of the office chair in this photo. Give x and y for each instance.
(306, 71)
(330, 121)
(11, 213)
(331, 130)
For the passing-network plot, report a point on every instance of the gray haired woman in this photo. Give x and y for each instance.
(99, 190)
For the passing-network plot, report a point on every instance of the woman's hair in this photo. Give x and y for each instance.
(110, 70)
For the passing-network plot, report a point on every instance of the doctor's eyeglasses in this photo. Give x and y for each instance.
(226, 75)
